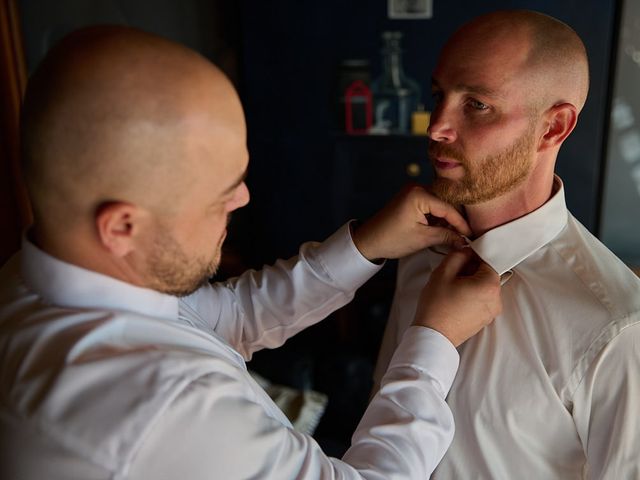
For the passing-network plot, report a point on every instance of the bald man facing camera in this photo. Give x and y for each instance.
(118, 360)
(550, 390)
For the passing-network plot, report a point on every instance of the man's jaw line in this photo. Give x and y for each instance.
(486, 214)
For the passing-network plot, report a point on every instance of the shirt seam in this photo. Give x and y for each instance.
(582, 281)
(594, 349)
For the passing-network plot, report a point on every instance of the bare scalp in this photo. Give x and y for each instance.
(106, 117)
(555, 60)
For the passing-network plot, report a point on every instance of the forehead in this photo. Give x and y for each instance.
(215, 153)
(493, 60)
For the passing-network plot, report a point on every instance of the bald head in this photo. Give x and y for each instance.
(116, 114)
(552, 57)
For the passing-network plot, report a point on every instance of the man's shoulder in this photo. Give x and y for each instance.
(597, 270)
(95, 398)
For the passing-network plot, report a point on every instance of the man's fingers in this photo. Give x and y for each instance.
(453, 218)
(485, 272)
(445, 236)
(441, 209)
(455, 262)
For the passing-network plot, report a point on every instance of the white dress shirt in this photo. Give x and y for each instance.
(100, 379)
(551, 389)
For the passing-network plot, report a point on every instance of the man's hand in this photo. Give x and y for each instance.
(402, 228)
(461, 297)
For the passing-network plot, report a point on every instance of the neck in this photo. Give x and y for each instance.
(79, 248)
(527, 197)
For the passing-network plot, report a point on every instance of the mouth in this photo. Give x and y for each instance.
(445, 164)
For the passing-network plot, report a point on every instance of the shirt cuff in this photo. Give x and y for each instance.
(342, 260)
(429, 351)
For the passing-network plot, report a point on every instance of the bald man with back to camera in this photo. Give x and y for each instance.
(551, 390)
(118, 360)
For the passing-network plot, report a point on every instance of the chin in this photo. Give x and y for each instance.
(453, 175)
(446, 189)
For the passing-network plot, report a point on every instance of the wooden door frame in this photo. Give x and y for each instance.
(15, 211)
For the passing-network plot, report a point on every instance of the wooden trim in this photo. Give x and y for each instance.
(16, 212)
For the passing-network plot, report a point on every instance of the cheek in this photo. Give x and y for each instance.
(216, 225)
(485, 139)
(203, 232)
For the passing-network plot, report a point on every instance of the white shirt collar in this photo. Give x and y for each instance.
(504, 247)
(66, 285)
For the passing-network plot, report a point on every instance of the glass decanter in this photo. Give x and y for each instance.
(395, 95)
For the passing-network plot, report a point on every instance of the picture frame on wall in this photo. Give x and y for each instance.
(410, 9)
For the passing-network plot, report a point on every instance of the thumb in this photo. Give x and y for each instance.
(445, 236)
(454, 262)
(486, 273)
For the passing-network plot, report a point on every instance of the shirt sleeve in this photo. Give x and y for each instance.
(413, 273)
(218, 429)
(606, 409)
(262, 309)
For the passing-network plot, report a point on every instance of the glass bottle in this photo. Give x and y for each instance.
(395, 95)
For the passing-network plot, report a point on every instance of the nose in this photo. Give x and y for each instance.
(240, 198)
(441, 127)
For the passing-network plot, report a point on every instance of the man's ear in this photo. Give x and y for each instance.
(118, 224)
(561, 119)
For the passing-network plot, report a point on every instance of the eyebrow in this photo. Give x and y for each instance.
(475, 89)
(235, 185)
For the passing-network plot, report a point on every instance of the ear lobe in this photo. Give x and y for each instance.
(561, 120)
(117, 225)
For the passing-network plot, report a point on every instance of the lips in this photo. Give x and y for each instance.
(445, 157)
(445, 164)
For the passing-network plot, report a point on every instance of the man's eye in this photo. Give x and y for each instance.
(437, 96)
(478, 105)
